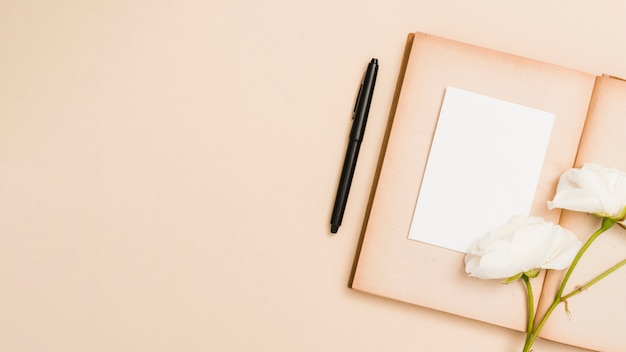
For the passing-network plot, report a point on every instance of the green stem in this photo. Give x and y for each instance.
(594, 281)
(535, 333)
(606, 224)
(558, 298)
(531, 312)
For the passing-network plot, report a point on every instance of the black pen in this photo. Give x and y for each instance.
(359, 115)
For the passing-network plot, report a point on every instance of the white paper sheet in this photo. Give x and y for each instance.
(483, 167)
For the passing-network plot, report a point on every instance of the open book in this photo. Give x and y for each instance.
(476, 136)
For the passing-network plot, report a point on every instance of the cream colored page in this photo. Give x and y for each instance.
(485, 159)
(598, 315)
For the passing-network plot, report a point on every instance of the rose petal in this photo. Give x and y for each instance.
(523, 244)
(592, 189)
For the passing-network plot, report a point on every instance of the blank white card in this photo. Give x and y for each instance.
(483, 168)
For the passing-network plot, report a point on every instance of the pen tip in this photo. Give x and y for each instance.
(334, 228)
(375, 61)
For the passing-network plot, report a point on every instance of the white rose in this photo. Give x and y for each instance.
(592, 189)
(523, 245)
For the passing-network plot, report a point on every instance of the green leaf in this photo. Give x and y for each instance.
(533, 273)
(513, 278)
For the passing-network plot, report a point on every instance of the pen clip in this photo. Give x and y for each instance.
(356, 103)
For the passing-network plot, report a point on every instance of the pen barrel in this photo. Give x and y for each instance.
(362, 108)
(364, 102)
(347, 172)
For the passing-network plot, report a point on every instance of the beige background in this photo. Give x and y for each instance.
(168, 168)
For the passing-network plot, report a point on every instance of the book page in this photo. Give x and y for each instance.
(596, 316)
(483, 167)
